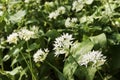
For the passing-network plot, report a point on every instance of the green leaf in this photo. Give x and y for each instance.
(6, 57)
(23, 72)
(60, 75)
(90, 73)
(71, 62)
(116, 38)
(52, 34)
(16, 51)
(15, 60)
(99, 40)
(18, 16)
(14, 71)
(32, 47)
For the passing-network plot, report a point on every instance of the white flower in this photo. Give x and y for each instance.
(88, 19)
(67, 22)
(61, 10)
(77, 5)
(56, 13)
(88, 1)
(35, 29)
(25, 34)
(1, 13)
(27, 1)
(94, 57)
(40, 55)
(74, 20)
(83, 19)
(109, 9)
(53, 15)
(49, 4)
(12, 38)
(62, 44)
(70, 22)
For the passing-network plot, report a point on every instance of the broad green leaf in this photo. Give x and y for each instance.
(99, 40)
(32, 47)
(14, 71)
(18, 16)
(107, 29)
(60, 75)
(72, 61)
(52, 34)
(16, 51)
(91, 72)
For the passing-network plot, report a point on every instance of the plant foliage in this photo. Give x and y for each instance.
(48, 39)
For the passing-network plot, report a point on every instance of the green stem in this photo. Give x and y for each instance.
(29, 56)
(109, 5)
(33, 77)
(109, 16)
(54, 68)
(75, 60)
(30, 62)
(2, 67)
(100, 74)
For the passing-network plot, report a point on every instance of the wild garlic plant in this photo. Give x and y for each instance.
(62, 44)
(59, 40)
(94, 58)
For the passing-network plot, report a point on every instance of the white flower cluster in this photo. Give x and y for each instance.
(27, 1)
(12, 38)
(56, 13)
(95, 58)
(86, 19)
(49, 4)
(40, 55)
(70, 22)
(79, 4)
(62, 44)
(25, 34)
(35, 29)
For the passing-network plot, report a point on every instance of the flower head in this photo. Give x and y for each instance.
(88, 1)
(25, 34)
(12, 38)
(35, 29)
(61, 10)
(56, 13)
(27, 1)
(94, 57)
(49, 4)
(40, 55)
(62, 44)
(53, 15)
(70, 22)
(77, 5)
